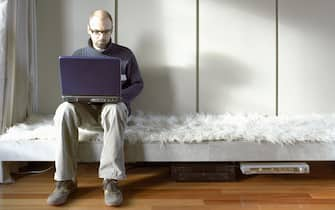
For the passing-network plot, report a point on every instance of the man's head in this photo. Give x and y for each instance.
(100, 26)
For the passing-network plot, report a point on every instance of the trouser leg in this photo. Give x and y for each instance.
(68, 117)
(113, 120)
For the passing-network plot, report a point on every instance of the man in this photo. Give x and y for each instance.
(112, 118)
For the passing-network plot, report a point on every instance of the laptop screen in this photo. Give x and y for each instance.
(89, 77)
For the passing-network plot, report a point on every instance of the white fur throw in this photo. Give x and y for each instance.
(193, 128)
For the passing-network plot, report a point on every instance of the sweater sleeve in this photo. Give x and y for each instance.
(78, 52)
(134, 79)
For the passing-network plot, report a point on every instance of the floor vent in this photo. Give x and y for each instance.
(249, 168)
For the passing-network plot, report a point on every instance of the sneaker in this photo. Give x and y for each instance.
(61, 193)
(113, 194)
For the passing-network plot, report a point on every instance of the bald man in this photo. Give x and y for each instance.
(112, 118)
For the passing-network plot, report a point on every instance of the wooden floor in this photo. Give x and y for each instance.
(150, 187)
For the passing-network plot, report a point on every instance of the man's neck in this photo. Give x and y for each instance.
(90, 43)
(98, 49)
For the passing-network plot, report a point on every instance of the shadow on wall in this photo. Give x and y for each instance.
(220, 77)
(159, 93)
(255, 7)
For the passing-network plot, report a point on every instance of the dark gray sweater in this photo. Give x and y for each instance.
(131, 79)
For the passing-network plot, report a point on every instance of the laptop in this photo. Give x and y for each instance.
(90, 79)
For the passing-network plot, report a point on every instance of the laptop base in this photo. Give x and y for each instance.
(92, 99)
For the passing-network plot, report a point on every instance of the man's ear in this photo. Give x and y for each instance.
(88, 30)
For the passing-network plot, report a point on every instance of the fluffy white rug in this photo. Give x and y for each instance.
(194, 128)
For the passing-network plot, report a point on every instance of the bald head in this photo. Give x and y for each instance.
(102, 16)
(100, 26)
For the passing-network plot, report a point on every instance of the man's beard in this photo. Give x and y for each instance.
(101, 44)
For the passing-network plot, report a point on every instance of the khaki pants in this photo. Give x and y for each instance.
(70, 116)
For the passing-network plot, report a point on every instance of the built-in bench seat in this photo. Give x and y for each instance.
(185, 138)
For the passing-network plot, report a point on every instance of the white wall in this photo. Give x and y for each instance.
(306, 56)
(61, 29)
(237, 56)
(237, 52)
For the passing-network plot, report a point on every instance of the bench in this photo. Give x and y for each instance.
(185, 138)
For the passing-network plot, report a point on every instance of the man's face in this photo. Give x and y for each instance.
(100, 31)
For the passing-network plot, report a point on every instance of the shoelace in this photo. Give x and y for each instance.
(63, 186)
(111, 186)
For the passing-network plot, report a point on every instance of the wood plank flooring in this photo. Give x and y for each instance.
(150, 187)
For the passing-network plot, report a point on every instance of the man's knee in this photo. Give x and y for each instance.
(111, 111)
(65, 111)
(65, 107)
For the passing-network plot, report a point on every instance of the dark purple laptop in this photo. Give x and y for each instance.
(90, 79)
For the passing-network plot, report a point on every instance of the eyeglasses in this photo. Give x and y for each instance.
(98, 32)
